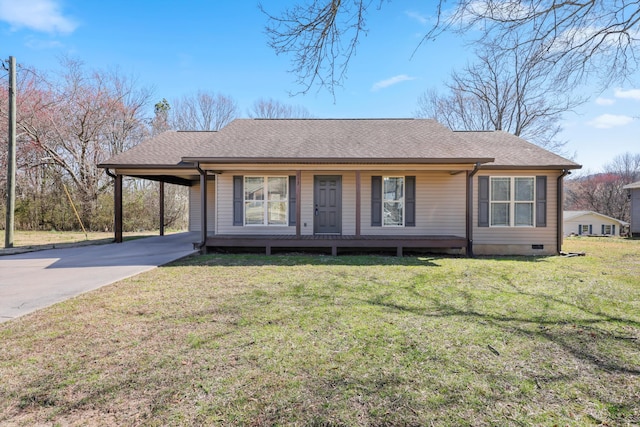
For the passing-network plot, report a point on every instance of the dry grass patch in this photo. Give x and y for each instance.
(54, 239)
(352, 340)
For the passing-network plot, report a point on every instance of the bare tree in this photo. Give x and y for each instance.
(322, 36)
(202, 111)
(272, 109)
(80, 119)
(580, 37)
(626, 166)
(511, 91)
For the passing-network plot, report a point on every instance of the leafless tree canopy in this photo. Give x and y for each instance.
(202, 111)
(579, 37)
(511, 91)
(77, 120)
(272, 109)
(321, 35)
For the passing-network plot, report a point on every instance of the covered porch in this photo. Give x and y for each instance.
(334, 243)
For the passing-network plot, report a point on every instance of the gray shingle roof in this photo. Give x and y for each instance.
(165, 149)
(340, 141)
(511, 151)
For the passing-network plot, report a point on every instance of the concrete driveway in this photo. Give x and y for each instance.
(31, 281)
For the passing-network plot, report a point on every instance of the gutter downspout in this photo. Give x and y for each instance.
(202, 246)
(559, 209)
(469, 218)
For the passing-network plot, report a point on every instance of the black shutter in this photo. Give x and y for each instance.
(541, 201)
(238, 198)
(292, 200)
(580, 229)
(410, 201)
(483, 201)
(613, 230)
(376, 201)
(602, 229)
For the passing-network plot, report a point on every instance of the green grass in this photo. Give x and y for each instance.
(352, 340)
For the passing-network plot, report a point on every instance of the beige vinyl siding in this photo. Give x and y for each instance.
(517, 237)
(224, 202)
(194, 207)
(440, 204)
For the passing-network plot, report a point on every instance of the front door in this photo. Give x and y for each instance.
(327, 197)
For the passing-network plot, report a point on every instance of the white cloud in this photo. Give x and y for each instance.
(605, 101)
(627, 94)
(382, 84)
(418, 17)
(607, 121)
(38, 15)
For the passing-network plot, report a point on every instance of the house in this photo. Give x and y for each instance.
(589, 223)
(358, 183)
(634, 197)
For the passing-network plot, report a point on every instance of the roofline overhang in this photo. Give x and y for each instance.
(332, 160)
(146, 166)
(530, 167)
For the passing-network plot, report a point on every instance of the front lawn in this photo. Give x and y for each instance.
(344, 341)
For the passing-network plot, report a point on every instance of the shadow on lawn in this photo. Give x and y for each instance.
(578, 335)
(301, 259)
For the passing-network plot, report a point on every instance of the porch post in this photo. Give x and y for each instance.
(559, 210)
(298, 191)
(358, 203)
(161, 208)
(117, 208)
(203, 207)
(469, 209)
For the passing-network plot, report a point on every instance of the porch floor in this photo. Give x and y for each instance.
(334, 242)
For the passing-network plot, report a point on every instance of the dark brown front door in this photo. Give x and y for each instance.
(327, 205)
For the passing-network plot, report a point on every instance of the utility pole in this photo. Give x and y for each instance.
(11, 158)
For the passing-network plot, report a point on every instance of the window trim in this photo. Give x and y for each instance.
(265, 201)
(512, 202)
(402, 200)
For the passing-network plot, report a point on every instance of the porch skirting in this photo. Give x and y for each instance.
(334, 242)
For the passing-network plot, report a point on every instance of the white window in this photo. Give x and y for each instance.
(512, 201)
(266, 200)
(607, 229)
(585, 229)
(393, 201)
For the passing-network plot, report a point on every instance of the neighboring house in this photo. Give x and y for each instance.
(358, 183)
(634, 198)
(589, 223)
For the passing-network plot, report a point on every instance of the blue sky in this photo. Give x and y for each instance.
(179, 47)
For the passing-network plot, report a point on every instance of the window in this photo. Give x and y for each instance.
(585, 229)
(393, 201)
(607, 229)
(266, 200)
(512, 201)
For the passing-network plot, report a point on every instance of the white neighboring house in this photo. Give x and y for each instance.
(589, 223)
(634, 198)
